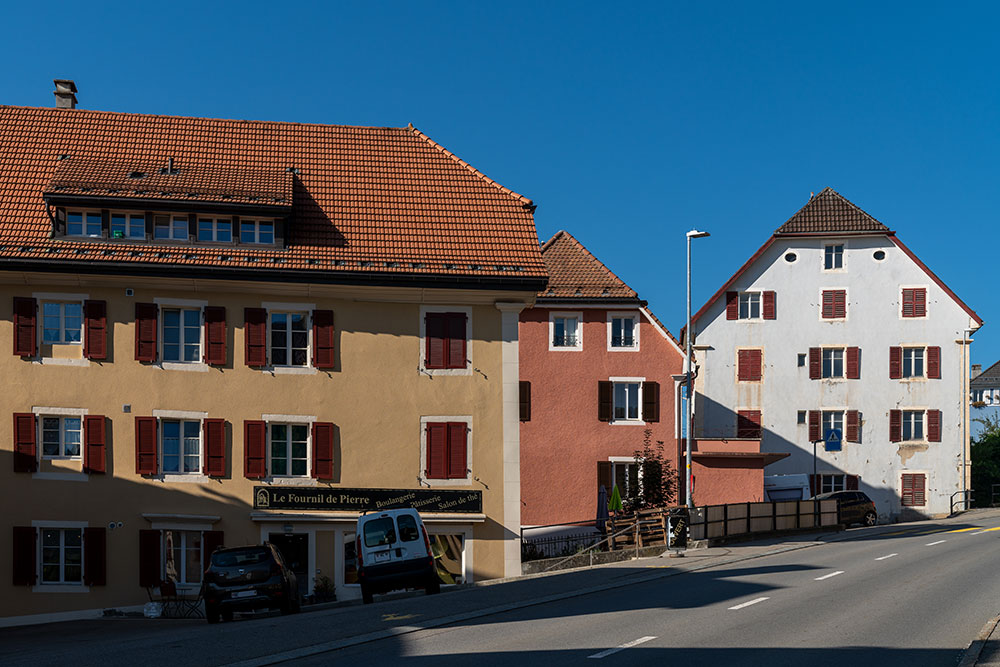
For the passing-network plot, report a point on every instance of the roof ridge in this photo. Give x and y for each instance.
(582, 247)
(439, 147)
(552, 240)
(827, 190)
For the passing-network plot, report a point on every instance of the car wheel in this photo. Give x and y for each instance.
(366, 595)
(211, 613)
(871, 518)
(227, 615)
(433, 586)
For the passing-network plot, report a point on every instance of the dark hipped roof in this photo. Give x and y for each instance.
(988, 378)
(366, 200)
(830, 213)
(574, 272)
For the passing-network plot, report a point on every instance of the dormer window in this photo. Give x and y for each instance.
(215, 230)
(257, 231)
(128, 226)
(83, 223)
(168, 227)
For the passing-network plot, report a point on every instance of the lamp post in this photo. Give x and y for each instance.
(693, 234)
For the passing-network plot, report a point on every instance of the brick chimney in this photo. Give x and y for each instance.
(65, 93)
(975, 371)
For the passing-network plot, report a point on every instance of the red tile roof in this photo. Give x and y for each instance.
(366, 199)
(575, 272)
(829, 212)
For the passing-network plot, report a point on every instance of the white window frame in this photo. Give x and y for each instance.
(834, 413)
(922, 412)
(624, 461)
(288, 477)
(469, 433)
(927, 303)
(563, 314)
(843, 257)
(182, 416)
(256, 222)
(847, 304)
(183, 530)
(307, 317)
(295, 308)
(39, 587)
(181, 326)
(128, 225)
(751, 296)
(627, 380)
(40, 420)
(422, 347)
(923, 362)
(182, 304)
(172, 218)
(62, 303)
(626, 315)
(85, 212)
(843, 363)
(161, 422)
(835, 479)
(215, 221)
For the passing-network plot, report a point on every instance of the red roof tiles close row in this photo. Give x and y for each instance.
(575, 272)
(829, 212)
(365, 199)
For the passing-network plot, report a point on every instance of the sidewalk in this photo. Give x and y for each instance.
(985, 650)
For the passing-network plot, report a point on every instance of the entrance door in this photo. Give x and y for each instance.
(294, 548)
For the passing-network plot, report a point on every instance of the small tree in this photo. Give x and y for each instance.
(985, 459)
(652, 481)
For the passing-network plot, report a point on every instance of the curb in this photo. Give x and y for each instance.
(975, 649)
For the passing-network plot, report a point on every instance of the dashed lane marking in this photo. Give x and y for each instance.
(884, 557)
(930, 544)
(986, 530)
(634, 642)
(747, 604)
(827, 576)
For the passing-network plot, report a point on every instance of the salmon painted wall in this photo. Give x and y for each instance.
(723, 481)
(564, 440)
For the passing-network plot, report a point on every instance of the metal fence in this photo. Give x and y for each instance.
(534, 548)
(746, 518)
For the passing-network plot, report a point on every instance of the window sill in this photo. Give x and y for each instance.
(463, 481)
(189, 478)
(291, 481)
(61, 476)
(290, 370)
(446, 371)
(60, 588)
(196, 366)
(627, 422)
(565, 348)
(53, 361)
(634, 348)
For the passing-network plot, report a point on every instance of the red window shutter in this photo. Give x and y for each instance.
(756, 365)
(457, 450)
(732, 305)
(934, 363)
(851, 482)
(255, 449)
(827, 304)
(434, 335)
(895, 425)
(814, 418)
(146, 455)
(743, 365)
(749, 365)
(25, 538)
(95, 556)
(907, 303)
(748, 424)
(215, 447)
(933, 426)
(210, 541)
(604, 395)
(149, 558)
(604, 476)
(322, 467)
(815, 363)
(255, 336)
(769, 306)
(920, 302)
(813, 485)
(524, 398)
(215, 335)
(895, 363)
(25, 336)
(146, 315)
(95, 334)
(919, 489)
(651, 402)
(437, 450)
(456, 340)
(94, 444)
(25, 453)
(907, 495)
(853, 426)
(323, 338)
(854, 363)
(840, 303)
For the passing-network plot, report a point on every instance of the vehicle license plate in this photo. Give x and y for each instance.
(243, 594)
(382, 556)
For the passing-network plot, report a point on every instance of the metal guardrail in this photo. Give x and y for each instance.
(965, 501)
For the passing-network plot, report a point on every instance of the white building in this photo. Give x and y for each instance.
(835, 323)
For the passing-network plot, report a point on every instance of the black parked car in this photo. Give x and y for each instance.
(246, 578)
(855, 507)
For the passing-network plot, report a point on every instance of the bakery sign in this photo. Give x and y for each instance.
(366, 500)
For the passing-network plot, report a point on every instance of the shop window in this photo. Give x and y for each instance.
(448, 550)
(182, 562)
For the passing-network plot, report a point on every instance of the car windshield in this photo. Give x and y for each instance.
(379, 532)
(407, 528)
(236, 558)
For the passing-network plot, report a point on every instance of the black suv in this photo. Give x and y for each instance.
(245, 578)
(855, 507)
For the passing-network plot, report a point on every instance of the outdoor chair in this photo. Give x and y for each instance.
(177, 604)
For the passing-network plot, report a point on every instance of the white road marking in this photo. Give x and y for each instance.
(827, 576)
(978, 533)
(747, 604)
(634, 642)
(930, 544)
(985, 530)
(884, 557)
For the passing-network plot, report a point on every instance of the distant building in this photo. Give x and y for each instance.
(985, 387)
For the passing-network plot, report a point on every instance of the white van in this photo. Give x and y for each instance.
(394, 552)
(786, 487)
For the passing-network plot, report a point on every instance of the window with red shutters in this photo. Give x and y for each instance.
(457, 450)
(215, 446)
(456, 340)
(895, 363)
(255, 449)
(94, 444)
(25, 453)
(25, 336)
(149, 558)
(815, 363)
(770, 311)
(95, 556)
(895, 425)
(732, 305)
(445, 340)
(914, 490)
(934, 363)
(95, 330)
(605, 395)
(215, 335)
(933, 426)
(914, 302)
(748, 424)
(146, 454)
(322, 446)
(651, 402)
(834, 304)
(323, 339)
(814, 427)
(853, 430)
(854, 363)
(255, 337)
(146, 315)
(749, 363)
(23, 546)
(446, 452)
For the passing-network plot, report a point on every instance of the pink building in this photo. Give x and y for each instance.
(597, 370)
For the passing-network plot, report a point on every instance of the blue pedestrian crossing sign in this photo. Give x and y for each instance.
(832, 439)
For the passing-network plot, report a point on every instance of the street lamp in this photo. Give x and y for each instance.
(693, 234)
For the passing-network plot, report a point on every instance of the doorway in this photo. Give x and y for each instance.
(294, 548)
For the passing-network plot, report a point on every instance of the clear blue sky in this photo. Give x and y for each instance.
(628, 124)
